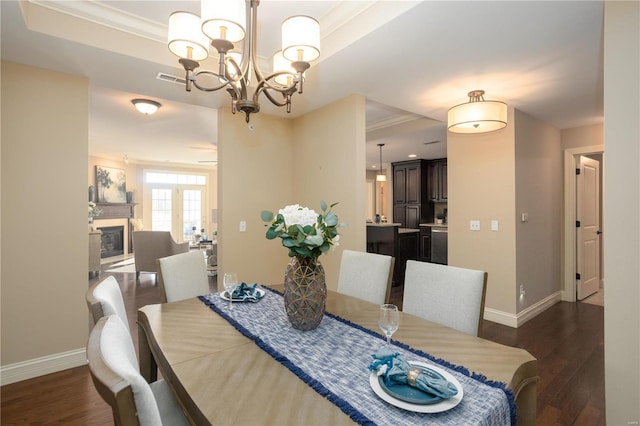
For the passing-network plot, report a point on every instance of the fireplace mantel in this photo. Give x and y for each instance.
(111, 215)
(115, 210)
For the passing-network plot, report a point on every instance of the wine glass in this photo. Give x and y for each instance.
(389, 320)
(230, 282)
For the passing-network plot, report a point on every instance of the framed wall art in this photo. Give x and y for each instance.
(111, 184)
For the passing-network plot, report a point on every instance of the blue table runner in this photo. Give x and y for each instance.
(333, 360)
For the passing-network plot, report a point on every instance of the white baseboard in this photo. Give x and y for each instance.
(40, 366)
(516, 320)
(500, 317)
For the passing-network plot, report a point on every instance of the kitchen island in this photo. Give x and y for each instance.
(392, 240)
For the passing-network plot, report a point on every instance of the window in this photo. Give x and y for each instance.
(176, 202)
(161, 209)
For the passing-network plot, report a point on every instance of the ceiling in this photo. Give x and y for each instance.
(411, 60)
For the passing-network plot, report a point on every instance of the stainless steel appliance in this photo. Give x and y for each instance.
(439, 245)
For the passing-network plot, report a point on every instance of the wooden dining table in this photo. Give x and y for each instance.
(222, 377)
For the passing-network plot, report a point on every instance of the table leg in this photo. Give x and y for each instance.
(148, 366)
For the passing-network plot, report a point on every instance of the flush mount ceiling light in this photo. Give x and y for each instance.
(380, 177)
(477, 115)
(224, 23)
(146, 106)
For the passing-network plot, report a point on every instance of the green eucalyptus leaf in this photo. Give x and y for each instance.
(323, 205)
(288, 242)
(271, 233)
(331, 219)
(266, 216)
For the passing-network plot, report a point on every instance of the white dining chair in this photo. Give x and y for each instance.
(366, 276)
(447, 295)
(183, 276)
(105, 298)
(116, 377)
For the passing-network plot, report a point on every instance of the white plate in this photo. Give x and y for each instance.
(438, 407)
(225, 296)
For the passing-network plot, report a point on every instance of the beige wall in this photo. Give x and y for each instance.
(316, 157)
(582, 136)
(254, 174)
(539, 194)
(481, 181)
(622, 206)
(44, 213)
(330, 165)
(499, 176)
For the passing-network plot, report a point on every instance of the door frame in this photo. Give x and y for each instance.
(569, 251)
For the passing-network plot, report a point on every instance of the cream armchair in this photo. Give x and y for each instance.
(149, 246)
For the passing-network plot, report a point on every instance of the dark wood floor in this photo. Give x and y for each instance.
(567, 340)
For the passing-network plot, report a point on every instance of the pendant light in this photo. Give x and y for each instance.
(477, 115)
(381, 177)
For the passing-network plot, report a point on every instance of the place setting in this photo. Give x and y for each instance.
(243, 292)
(410, 385)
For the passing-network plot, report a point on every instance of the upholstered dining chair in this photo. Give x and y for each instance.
(105, 298)
(366, 276)
(116, 377)
(183, 276)
(447, 295)
(149, 246)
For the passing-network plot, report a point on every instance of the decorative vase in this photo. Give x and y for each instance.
(305, 292)
(91, 228)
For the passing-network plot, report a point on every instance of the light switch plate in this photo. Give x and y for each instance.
(243, 226)
(494, 225)
(474, 225)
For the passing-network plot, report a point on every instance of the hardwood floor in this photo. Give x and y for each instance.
(567, 340)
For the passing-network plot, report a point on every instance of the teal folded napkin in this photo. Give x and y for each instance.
(396, 369)
(246, 291)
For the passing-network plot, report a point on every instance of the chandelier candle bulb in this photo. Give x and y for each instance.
(185, 39)
(223, 20)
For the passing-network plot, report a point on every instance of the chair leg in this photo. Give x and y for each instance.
(137, 275)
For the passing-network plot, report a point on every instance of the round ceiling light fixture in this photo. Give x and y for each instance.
(146, 106)
(477, 115)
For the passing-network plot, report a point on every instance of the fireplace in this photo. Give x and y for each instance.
(112, 241)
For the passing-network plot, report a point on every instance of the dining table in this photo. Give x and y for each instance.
(257, 372)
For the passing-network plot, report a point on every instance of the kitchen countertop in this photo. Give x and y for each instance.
(383, 224)
(434, 224)
(407, 230)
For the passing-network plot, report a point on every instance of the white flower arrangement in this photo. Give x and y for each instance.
(93, 210)
(303, 231)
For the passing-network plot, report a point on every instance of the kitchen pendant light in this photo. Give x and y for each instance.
(477, 115)
(229, 24)
(380, 177)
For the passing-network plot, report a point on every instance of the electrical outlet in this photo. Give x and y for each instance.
(521, 290)
(474, 225)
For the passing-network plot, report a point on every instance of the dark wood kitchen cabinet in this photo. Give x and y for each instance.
(424, 252)
(390, 240)
(410, 197)
(437, 181)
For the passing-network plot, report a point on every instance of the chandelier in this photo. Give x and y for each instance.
(225, 23)
(477, 115)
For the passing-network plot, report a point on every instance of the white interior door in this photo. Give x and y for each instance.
(588, 233)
